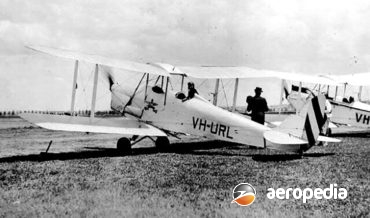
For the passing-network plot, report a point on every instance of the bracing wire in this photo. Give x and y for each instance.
(223, 89)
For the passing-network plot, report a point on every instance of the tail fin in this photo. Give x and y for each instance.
(286, 89)
(308, 123)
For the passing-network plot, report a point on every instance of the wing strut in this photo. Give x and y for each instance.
(215, 94)
(182, 82)
(146, 86)
(281, 95)
(165, 94)
(74, 88)
(93, 100)
(300, 93)
(344, 91)
(235, 94)
(359, 93)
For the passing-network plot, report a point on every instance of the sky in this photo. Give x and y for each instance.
(306, 36)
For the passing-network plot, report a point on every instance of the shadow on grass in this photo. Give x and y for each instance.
(98, 152)
(103, 152)
(208, 148)
(354, 135)
(197, 147)
(287, 157)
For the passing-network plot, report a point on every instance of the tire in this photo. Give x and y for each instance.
(328, 132)
(300, 154)
(162, 143)
(124, 146)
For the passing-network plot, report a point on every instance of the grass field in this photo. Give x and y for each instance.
(85, 177)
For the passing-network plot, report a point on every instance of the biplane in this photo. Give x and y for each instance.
(347, 114)
(156, 111)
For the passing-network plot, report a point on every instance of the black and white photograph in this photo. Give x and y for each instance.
(184, 108)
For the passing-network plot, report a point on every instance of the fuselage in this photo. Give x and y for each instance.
(199, 117)
(352, 115)
(196, 116)
(356, 114)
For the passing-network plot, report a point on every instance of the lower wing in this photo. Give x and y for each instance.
(119, 125)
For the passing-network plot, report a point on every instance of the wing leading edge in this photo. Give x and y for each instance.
(101, 60)
(204, 72)
(97, 125)
(214, 72)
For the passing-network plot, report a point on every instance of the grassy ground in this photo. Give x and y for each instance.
(190, 180)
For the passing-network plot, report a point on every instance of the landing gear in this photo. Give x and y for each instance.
(162, 143)
(329, 132)
(124, 146)
(300, 154)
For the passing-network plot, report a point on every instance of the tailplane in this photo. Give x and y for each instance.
(308, 123)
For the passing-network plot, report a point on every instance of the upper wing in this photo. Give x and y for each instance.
(95, 59)
(97, 125)
(246, 72)
(356, 79)
(223, 72)
(306, 78)
(163, 69)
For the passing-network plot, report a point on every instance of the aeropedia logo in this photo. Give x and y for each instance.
(308, 193)
(244, 194)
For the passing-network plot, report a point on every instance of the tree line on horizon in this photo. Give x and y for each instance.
(11, 113)
(14, 113)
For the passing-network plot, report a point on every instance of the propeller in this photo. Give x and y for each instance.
(108, 73)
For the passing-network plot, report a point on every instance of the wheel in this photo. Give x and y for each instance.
(124, 145)
(300, 154)
(162, 142)
(328, 132)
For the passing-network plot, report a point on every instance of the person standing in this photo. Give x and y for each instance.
(258, 106)
(326, 131)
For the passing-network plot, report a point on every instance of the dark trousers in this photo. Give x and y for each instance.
(259, 117)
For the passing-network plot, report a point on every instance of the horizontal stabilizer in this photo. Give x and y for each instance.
(281, 138)
(97, 125)
(327, 139)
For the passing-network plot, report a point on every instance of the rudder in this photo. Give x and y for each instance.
(308, 123)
